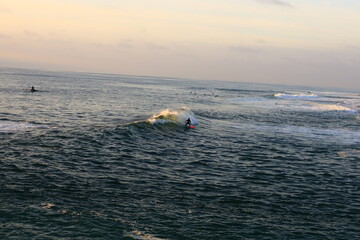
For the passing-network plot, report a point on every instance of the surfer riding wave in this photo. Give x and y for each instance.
(188, 122)
(177, 116)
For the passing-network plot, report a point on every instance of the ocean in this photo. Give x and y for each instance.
(106, 156)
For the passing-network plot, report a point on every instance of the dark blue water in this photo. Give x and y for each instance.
(99, 156)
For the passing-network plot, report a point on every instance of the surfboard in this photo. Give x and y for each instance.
(191, 126)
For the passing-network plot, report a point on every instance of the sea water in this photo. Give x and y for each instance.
(101, 156)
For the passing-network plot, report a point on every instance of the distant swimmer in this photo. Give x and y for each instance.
(188, 122)
(33, 89)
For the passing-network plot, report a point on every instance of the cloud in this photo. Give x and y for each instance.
(275, 2)
(30, 33)
(352, 47)
(245, 49)
(3, 36)
(127, 43)
(156, 46)
(4, 9)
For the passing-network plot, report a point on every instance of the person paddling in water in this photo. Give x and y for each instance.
(33, 89)
(188, 122)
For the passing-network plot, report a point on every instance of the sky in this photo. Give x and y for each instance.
(294, 42)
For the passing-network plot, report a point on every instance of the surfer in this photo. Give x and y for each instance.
(188, 122)
(33, 89)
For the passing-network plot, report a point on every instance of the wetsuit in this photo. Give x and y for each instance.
(188, 122)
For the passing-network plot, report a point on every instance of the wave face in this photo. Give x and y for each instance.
(102, 156)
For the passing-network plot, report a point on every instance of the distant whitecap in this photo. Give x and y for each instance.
(295, 96)
(329, 107)
(11, 126)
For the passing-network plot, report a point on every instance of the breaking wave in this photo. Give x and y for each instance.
(329, 107)
(295, 96)
(177, 116)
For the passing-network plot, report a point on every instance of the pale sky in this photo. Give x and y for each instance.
(296, 42)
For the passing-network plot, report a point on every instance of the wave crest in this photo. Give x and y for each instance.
(295, 96)
(177, 116)
(329, 107)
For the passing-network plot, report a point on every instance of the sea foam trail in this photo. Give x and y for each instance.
(177, 116)
(295, 96)
(353, 104)
(344, 136)
(329, 107)
(10, 126)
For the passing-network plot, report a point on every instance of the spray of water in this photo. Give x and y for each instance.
(176, 116)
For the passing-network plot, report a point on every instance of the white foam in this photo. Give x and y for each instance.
(329, 107)
(138, 235)
(295, 96)
(9, 126)
(353, 103)
(47, 205)
(248, 99)
(339, 135)
(177, 116)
